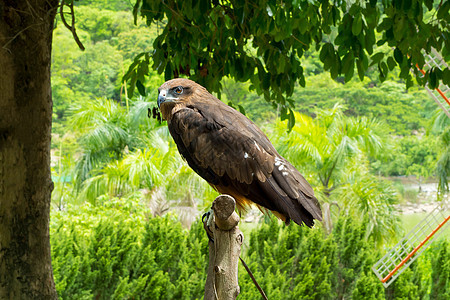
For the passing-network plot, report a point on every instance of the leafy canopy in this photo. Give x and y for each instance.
(263, 41)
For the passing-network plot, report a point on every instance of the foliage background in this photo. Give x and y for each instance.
(118, 251)
(125, 206)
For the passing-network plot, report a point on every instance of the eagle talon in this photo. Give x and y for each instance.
(206, 215)
(205, 219)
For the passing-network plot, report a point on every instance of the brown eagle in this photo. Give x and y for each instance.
(233, 155)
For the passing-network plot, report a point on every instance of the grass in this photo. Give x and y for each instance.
(411, 220)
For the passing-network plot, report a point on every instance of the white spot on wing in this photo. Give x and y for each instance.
(285, 173)
(246, 155)
(277, 161)
(257, 146)
(281, 167)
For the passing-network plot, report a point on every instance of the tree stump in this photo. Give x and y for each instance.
(224, 250)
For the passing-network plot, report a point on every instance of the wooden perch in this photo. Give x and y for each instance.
(224, 250)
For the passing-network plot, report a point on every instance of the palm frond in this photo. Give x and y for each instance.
(443, 171)
(105, 136)
(371, 201)
(98, 147)
(142, 167)
(92, 188)
(86, 114)
(138, 115)
(439, 122)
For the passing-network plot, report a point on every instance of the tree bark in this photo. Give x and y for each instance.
(25, 126)
(224, 252)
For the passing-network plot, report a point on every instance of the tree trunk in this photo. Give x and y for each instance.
(221, 226)
(25, 126)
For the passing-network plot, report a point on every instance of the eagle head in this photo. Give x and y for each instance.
(176, 92)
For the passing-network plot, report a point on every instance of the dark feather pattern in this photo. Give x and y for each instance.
(233, 155)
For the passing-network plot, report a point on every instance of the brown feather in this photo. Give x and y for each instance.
(233, 155)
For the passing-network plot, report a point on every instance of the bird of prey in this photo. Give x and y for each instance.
(233, 155)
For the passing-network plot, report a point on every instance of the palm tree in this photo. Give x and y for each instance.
(328, 143)
(369, 199)
(159, 173)
(107, 131)
(333, 151)
(123, 151)
(103, 134)
(441, 127)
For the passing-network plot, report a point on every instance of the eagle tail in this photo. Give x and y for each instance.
(284, 205)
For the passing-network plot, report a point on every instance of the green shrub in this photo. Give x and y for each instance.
(296, 262)
(118, 252)
(440, 276)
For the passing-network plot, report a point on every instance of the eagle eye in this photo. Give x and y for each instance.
(179, 90)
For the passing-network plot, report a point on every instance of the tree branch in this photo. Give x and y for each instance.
(71, 28)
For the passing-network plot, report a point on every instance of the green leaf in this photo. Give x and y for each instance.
(347, 62)
(357, 25)
(407, 5)
(385, 25)
(354, 9)
(281, 64)
(266, 81)
(422, 80)
(376, 58)
(283, 113)
(365, 60)
(301, 80)
(398, 55)
(384, 68)
(135, 10)
(446, 76)
(142, 71)
(443, 10)
(132, 84)
(433, 79)
(188, 10)
(391, 63)
(140, 87)
(204, 5)
(329, 57)
(334, 68)
(241, 109)
(323, 52)
(360, 68)
(349, 73)
(291, 120)
(409, 81)
(400, 28)
(168, 72)
(369, 40)
(132, 67)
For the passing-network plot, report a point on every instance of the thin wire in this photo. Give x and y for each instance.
(253, 278)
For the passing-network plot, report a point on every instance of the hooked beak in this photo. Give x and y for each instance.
(161, 99)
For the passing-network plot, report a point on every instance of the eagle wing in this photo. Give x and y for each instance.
(235, 156)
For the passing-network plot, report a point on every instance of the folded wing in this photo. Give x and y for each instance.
(234, 155)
